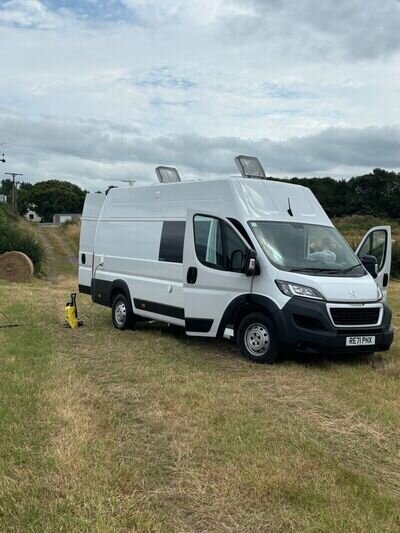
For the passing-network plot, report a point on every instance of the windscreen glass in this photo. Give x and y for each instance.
(306, 248)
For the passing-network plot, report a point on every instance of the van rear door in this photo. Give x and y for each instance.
(213, 262)
(378, 242)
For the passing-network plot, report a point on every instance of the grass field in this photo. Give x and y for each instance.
(148, 430)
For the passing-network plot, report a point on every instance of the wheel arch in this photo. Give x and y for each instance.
(119, 286)
(243, 305)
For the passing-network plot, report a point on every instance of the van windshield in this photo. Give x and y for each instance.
(306, 248)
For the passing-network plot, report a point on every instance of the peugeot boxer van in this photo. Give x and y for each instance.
(248, 258)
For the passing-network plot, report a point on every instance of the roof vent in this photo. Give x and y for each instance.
(167, 174)
(250, 167)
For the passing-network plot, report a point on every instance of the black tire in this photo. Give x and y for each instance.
(122, 314)
(257, 338)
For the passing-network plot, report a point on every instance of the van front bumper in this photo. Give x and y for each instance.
(305, 326)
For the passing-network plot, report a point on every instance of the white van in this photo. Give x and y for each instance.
(247, 258)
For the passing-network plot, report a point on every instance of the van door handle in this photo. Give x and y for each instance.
(191, 276)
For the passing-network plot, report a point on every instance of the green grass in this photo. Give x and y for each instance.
(149, 430)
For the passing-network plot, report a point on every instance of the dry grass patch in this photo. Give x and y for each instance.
(149, 430)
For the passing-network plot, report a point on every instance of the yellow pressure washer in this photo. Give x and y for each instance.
(71, 313)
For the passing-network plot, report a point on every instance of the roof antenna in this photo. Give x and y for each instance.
(131, 183)
(290, 209)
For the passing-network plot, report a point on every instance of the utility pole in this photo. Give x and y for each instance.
(14, 192)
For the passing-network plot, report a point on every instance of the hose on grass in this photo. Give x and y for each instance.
(10, 324)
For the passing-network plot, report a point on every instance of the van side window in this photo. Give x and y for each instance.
(239, 226)
(234, 248)
(375, 245)
(208, 241)
(171, 244)
(218, 245)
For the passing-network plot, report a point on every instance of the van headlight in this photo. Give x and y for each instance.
(294, 289)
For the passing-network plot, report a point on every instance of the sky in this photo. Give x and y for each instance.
(99, 91)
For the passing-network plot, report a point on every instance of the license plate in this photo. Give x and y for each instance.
(360, 340)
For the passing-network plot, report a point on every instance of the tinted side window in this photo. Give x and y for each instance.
(235, 250)
(375, 245)
(239, 226)
(171, 244)
(208, 241)
(218, 245)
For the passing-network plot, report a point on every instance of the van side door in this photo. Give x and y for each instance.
(214, 260)
(378, 243)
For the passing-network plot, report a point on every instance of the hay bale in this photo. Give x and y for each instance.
(16, 266)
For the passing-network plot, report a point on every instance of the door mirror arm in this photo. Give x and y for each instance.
(370, 264)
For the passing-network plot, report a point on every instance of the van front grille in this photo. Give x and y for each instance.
(355, 316)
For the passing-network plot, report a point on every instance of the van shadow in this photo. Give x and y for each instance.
(229, 348)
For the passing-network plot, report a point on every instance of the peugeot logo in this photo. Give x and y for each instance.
(352, 294)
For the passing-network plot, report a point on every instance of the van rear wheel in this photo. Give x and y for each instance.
(257, 338)
(122, 314)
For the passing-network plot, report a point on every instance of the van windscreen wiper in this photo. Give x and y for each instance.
(347, 270)
(310, 269)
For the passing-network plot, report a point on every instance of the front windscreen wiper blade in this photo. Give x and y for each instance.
(310, 269)
(347, 270)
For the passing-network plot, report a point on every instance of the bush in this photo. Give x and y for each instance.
(14, 237)
(362, 223)
(395, 272)
(71, 230)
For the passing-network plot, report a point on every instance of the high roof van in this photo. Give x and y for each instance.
(248, 258)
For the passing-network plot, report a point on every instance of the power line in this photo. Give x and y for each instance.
(63, 151)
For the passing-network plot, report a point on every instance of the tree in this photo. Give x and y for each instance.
(50, 197)
(6, 188)
(23, 200)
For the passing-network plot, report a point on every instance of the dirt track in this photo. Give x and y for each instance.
(60, 258)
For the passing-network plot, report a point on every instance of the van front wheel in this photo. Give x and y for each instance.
(122, 315)
(257, 339)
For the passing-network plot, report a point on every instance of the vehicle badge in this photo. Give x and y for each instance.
(352, 294)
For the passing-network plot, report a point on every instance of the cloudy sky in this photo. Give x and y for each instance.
(96, 91)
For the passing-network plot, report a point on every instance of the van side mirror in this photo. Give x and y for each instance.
(370, 264)
(250, 267)
(237, 260)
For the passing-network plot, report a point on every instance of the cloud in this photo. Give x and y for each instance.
(107, 89)
(27, 13)
(353, 29)
(95, 153)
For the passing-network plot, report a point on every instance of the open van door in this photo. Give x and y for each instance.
(378, 243)
(216, 261)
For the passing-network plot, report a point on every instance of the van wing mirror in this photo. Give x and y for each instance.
(237, 260)
(370, 263)
(250, 267)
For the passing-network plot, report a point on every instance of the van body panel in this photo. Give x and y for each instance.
(209, 295)
(90, 216)
(261, 199)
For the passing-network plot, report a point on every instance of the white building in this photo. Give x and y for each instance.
(61, 218)
(31, 214)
